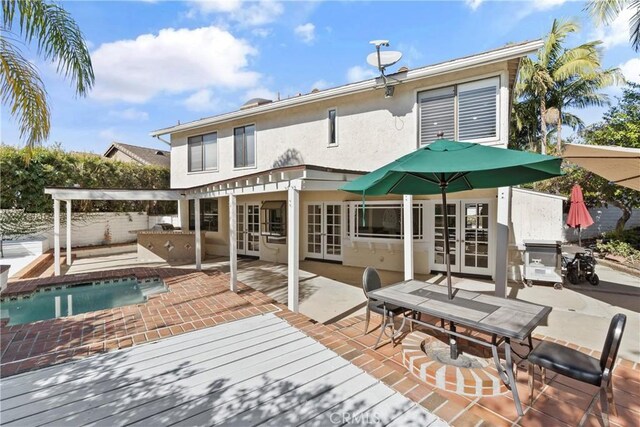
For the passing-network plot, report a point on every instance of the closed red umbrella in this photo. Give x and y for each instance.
(579, 216)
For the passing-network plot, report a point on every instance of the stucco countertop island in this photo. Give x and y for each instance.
(169, 246)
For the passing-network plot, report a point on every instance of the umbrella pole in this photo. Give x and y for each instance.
(453, 342)
(580, 236)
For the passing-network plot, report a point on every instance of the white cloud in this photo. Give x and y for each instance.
(631, 70)
(617, 32)
(248, 13)
(473, 4)
(547, 4)
(173, 61)
(261, 92)
(130, 114)
(321, 84)
(357, 73)
(201, 100)
(262, 32)
(110, 135)
(306, 32)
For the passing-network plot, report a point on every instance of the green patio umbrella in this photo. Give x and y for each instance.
(448, 166)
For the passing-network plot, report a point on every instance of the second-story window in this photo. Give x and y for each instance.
(203, 152)
(466, 112)
(244, 146)
(333, 137)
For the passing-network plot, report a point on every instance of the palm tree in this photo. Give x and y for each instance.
(557, 78)
(605, 11)
(58, 39)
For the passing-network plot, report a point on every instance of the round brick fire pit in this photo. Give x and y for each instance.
(428, 358)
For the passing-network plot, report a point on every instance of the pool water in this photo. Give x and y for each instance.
(71, 299)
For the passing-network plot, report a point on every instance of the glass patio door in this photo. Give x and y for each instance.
(469, 237)
(475, 250)
(248, 223)
(324, 231)
(439, 262)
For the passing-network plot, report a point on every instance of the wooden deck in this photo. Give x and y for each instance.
(255, 371)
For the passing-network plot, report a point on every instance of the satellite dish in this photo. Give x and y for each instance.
(387, 58)
(383, 59)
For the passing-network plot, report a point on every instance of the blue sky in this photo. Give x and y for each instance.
(160, 62)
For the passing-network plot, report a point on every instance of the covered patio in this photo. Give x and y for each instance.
(290, 180)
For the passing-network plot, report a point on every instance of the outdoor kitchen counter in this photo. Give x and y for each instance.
(169, 245)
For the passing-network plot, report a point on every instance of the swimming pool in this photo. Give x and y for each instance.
(75, 298)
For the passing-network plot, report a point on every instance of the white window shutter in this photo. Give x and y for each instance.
(477, 111)
(437, 114)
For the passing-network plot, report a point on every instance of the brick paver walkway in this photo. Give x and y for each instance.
(201, 299)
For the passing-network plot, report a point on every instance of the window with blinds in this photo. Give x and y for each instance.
(203, 152)
(244, 151)
(465, 112)
(437, 114)
(477, 111)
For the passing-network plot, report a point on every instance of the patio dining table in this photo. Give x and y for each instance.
(502, 319)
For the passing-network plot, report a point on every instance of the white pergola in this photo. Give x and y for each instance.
(290, 179)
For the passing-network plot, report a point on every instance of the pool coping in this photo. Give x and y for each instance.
(195, 300)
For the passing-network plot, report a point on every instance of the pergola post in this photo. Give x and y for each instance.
(68, 232)
(503, 218)
(196, 204)
(293, 247)
(407, 218)
(56, 237)
(233, 243)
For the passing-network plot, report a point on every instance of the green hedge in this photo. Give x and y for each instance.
(22, 183)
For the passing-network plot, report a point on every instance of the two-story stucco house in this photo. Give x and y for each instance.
(263, 181)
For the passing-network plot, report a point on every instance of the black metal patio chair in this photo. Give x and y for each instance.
(370, 282)
(582, 367)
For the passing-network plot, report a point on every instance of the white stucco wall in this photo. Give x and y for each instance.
(371, 131)
(534, 216)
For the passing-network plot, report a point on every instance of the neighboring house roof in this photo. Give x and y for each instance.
(143, 155)
(510, 52)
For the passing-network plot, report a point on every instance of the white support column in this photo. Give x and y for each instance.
(293, 247)
(179, 202)
(233, 243)
(56, 237)
(68, 232)
(503, 219)
(407, 219)
(196, 204)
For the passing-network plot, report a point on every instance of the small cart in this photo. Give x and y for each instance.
(543, 262)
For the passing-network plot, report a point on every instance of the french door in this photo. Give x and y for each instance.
(324, 231)
(248, 226)
(470, 241)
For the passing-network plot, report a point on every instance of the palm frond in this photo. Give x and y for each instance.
(572, 121)
(605, 11)
(57, 36)
(23, 91)
(634, 24)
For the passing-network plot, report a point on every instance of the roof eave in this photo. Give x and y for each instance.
(506, 53)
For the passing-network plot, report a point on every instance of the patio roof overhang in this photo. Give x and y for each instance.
(73, 193)
(300, 177)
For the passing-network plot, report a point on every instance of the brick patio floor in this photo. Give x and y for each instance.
(202, 299)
